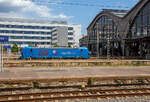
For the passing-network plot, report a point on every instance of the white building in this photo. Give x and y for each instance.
(65, 35)
(38, 32)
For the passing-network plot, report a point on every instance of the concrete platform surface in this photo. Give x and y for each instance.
(48, 73)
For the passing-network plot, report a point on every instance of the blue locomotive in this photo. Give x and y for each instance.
(39, 53)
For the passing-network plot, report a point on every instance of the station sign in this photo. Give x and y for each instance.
(3, 38)
(7, 46)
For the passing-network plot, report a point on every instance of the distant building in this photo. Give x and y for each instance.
(38, 32)
(66, 35)
(84, 41)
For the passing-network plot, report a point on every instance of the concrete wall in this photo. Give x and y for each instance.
(62, 36)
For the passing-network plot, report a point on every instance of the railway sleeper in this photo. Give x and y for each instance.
(80, 97)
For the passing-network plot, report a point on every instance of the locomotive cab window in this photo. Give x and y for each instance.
(81, 50)
(31, 50)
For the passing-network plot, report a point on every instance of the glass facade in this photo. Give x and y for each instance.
(24, 32)
(70, 38)
(27, 36)
(25, 26)
(106, 26)
(106, 30)
(70, 28)
(126, 35)
(138, 44)
(141, 25)
(70, 33)
(27, 42)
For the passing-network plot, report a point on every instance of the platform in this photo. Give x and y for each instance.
(51, 73)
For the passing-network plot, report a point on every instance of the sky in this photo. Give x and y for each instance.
(72, 11)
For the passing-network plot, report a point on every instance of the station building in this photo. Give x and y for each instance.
(121, 32)
(103, 33)
(38, 32)
(84, 41)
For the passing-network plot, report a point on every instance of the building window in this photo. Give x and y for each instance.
(70, 38)
(70, 33)
(70, 28)
(141, 23)
(25, 26)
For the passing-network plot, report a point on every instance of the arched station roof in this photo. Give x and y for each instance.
(123, 19)
(115, 15)
(128, 19)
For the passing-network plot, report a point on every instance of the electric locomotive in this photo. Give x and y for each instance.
(43, 53)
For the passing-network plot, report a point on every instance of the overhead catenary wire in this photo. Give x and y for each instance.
(76, 4)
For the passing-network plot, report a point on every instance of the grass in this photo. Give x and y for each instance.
(89, 63)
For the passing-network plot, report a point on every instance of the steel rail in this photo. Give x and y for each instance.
(80, 97)
(67, 87)
(77, 94)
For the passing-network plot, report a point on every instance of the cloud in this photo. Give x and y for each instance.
(27, 9)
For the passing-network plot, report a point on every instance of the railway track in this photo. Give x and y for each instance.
(15, 89)
(67, 87)
(70, 95)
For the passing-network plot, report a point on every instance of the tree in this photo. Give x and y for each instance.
(4, 49)
(69, 45)
(15, 48)
(56, 45)
(30, 45)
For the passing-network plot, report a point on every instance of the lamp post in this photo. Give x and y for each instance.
(108, 42)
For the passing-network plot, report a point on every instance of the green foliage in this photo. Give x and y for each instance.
(90, 81)
(35, 84)
(69, 45)
(15, 48)
(4, 49)
(140, 81)
(117, 81)
(30, 45)
(8, 83)
(120, 81)
(136, 63)
(56, 45)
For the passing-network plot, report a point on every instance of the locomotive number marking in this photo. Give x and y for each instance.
(43, 52)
